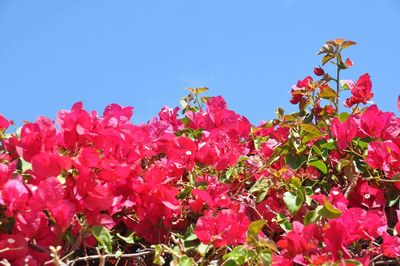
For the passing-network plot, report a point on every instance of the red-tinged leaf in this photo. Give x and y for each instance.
(327, 48)
(327, 93)
(339, 41)
(398, 103)
(254, 229)
(349, 63)
(349, 43)
(311, 129)
(327, 58)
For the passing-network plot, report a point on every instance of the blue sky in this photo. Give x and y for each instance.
(144, 53)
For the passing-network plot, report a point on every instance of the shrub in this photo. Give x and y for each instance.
(200, 185)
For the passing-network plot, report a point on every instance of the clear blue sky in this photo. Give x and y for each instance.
(144, 53)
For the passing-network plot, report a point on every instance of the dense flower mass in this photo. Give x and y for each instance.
(200, 185)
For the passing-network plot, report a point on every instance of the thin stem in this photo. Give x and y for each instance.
(337, 87)
(96, 257)
(387, 262)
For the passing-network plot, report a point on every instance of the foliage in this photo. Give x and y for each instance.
(316, 187)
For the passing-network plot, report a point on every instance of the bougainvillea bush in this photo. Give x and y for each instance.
(200, 185)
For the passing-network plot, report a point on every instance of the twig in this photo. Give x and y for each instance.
(95, 257)
(376, 258)
(102, 259)
(387, 262)
(10, 249)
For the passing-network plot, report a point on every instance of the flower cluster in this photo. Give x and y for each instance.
(315, 187)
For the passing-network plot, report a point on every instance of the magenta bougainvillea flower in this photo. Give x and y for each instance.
(361, 91)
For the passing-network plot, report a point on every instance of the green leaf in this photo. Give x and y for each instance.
(158, 258)
(183, 102)
(392, 196)
(266, 257)
(261, 196)
(186, 261)
(255, 227)
(310, 217)
(259, 185)
(342, 163)
(311, 132)
(230, 263)
(320, 165)
(293, 202)
(238, 255)
(253, 230)
(348, 262)
(103, 237)
(286, 226)
(190, 235)
(328, 211)
(295, 161)
(340, 63)
(291, 117)
(296, 182)
(118, 254)
(197, 90)
(280, 112)
(362, 144)
(61, 179)
(281, 219)
(329, 145)
(327, 93)
(268, 243)
(317, 150)
(309, 128)
(202, 249)
(308, 200)
(25, 165)
(343, 116)
(127, 239)
(346, 84)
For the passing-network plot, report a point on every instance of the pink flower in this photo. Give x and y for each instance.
(227, 227)
(301, 240)
(63, 213)
(16, 244)
(361, 92)
(47, 164)
(344, 132)
(4, 123)
(300, 90)
(367, 196)
(377, 124)
(384, 155)
(390, 246)
(36, 138)
(14, 195)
